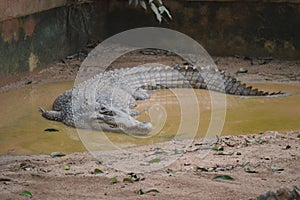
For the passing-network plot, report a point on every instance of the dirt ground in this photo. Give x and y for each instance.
(257, 163)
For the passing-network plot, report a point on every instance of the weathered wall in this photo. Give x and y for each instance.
(248, 28)
(33, 40)
(17, 8)
(223, 27)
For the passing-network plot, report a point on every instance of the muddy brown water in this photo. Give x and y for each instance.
(22, 127)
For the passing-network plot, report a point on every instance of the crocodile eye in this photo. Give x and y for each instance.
(109, 112)
(105, 111)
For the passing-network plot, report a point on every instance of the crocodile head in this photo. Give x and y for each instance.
(113, 119)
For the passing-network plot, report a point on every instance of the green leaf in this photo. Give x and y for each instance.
(23, 165)
(66, 167)
(51, 130)
(97, 171)
(260, 141)
(26, 193)
(298, 136)
(223, 178)
(218, 148)
(276, 169)
(155, 10)
(26, 166)
(163, 9)
(114, 180)
(134, 177)
(250, 141)
(141, 192)
(130, 180)
(249, 170)
(152, 190)
(155, 160)
(160, 2)
(143, 4)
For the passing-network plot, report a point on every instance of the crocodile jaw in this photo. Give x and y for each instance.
(134, 128)
(112, 119)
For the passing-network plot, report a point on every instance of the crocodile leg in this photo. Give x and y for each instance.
(51, 115)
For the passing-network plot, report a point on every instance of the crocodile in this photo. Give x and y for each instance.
(105, 102)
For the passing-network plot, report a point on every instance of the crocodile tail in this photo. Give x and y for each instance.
(215, 80)
(235, 87)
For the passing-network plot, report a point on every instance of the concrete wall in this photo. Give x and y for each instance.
(34, 40)
(223, 27)
(30, 38)
(17, 8)
(242, 27)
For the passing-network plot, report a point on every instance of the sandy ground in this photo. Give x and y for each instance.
(273, 158)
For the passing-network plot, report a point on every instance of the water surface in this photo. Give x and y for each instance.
(22, 127)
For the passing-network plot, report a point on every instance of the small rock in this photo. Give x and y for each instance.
(57, 154)
(286, 147)
(266, 158)
(242, 70)
(27, 167)
(218, 169)
(28, 82)
(201, 169)
(144, 163)
(178, 151)
(158, 150)
(46, 170)
(259, 61)
(210, 169)
(99, 162)
(224, 153)
(281, 193)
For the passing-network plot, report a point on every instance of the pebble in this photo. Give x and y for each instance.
(57, 154)
(242, 70)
